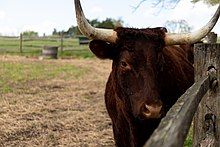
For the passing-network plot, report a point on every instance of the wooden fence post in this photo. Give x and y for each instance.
(207, 119)
(211, 37)
(21, 39)
(61, 46)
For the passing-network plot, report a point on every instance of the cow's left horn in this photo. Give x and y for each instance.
(108, 35)
(189, 38)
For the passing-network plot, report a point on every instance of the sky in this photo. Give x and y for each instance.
(43, 16)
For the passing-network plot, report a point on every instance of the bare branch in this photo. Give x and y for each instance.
(167, 4)
(140, 3)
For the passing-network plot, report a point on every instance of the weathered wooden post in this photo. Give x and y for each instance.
(61, 46)
(21, 39)
(207, 119)
(211, 37)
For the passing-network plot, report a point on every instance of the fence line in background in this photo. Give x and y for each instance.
(22, 44)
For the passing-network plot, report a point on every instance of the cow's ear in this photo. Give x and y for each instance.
(102, 49)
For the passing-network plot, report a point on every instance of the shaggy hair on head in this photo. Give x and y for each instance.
(155, 35)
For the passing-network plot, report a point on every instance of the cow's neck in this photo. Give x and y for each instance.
(177, 74)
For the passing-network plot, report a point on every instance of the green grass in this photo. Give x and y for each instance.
(33, 47)
(189, 139)
(13, 73)
(76, 54)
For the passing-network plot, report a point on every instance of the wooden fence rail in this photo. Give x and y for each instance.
(173, 129)
(59, 39)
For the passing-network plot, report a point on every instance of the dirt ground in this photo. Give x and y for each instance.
(58, 112)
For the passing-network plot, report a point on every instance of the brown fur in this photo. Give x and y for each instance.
(144, 71)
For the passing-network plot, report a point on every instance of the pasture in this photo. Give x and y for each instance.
(53, 102)
(32, 47)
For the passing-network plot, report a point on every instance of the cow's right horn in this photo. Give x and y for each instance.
(108, 35)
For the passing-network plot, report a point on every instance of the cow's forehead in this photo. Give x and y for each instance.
(147, 33)
(137, 54)
(128, 37)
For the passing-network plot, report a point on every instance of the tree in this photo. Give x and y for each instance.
(71, 31)
(161, 3)
(54, 32)
(210, 2)
(118, 23)
(94, 22)
(108, 23)
(30, 34)
(173, 3)
(178, 26)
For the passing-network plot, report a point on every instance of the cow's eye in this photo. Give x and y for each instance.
(124, 64)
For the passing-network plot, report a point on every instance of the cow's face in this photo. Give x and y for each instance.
(135, 67)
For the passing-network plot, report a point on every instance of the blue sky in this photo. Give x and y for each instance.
(44, 15)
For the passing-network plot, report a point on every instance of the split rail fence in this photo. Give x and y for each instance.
(23, 45)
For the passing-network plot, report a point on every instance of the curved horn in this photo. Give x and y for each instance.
(108, 35)
(190, 38)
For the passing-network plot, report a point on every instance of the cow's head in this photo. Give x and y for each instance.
(137, 59)
(136, 62)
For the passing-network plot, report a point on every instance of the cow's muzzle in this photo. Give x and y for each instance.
(152, 111)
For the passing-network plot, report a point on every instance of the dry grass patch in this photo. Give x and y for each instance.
(62, 109)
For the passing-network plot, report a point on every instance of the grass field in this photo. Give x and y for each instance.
(33, 47)
(13, 73)
(53, 102)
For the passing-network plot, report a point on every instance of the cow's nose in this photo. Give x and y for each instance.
(152, 111)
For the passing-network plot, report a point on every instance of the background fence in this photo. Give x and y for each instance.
(32, 46)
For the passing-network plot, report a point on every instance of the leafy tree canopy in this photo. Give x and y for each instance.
(210, 2)
(30, 34)
(108, 23)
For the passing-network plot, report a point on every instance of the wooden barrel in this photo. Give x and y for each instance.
(50, 52)
(83, 40)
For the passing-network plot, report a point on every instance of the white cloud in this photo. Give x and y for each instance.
(96, 9)
(17, 20)
(2, 15)
(8, 31)
(196, 15)
(44, 27)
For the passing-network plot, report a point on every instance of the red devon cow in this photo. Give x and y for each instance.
(149, 72)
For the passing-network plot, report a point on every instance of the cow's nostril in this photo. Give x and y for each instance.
(152, 111)
(146, 111)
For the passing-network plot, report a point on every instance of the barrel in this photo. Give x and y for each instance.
(50, 52)
(83, 40)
